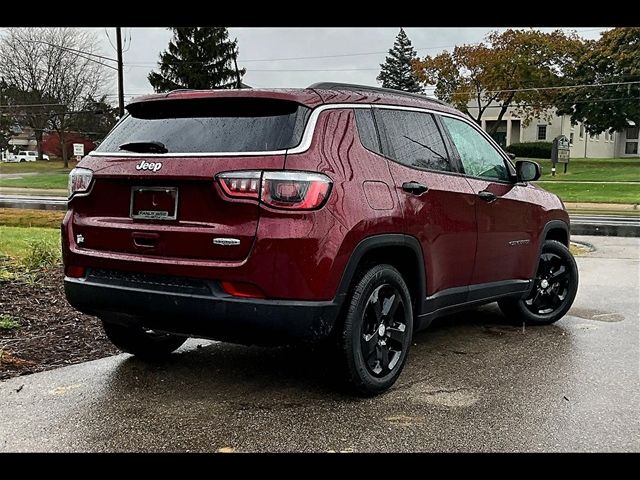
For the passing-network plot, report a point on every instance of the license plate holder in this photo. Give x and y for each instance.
(154, 203)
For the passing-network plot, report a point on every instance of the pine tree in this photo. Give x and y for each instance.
(396, 72)
(198, 57)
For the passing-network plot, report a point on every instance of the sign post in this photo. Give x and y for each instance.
(559, 153)
(78, 150)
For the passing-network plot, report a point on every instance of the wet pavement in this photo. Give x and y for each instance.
(472, 383)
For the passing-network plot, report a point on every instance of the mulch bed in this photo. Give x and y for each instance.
(51, 333)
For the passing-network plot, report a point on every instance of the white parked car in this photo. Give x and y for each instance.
(28, 156)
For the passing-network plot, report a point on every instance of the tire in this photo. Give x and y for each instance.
(376, 331)
(140, 342)
(553, 292)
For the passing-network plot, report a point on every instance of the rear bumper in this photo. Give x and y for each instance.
(201, 311)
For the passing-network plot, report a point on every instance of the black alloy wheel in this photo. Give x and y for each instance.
(554, 289)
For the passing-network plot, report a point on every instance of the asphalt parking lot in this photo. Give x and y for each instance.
(472, 383)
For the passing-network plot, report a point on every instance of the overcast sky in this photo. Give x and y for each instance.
(271, 55)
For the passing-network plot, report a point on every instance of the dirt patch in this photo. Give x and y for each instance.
(50, 333)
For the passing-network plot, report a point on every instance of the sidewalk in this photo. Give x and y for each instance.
(618, 207)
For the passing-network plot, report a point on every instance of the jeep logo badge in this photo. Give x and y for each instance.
(153, 166)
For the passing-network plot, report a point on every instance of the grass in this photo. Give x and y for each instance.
(593, 169)
(595, 192)
(18, 217)
(51, 166)
(50, 174)
(44, 180)
(17, 242)
(8, 323)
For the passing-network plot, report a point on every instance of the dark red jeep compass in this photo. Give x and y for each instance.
(339, 213)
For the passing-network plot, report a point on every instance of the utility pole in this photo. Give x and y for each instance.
(120, 82)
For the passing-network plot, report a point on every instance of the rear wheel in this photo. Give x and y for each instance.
(376, 332)
(142, 342)
(554, 289)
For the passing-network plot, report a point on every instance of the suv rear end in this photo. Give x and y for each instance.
(180, 219)
(337, 212)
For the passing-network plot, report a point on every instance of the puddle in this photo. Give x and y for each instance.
(598, 315)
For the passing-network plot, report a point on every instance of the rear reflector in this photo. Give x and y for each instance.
(242, 289)
(74, 271)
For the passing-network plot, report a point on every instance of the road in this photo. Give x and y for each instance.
(472, 383)
(608, 225)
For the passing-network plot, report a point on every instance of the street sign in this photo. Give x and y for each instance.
(560, 153)
(78, 149)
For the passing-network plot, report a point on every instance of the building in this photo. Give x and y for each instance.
(512, 130)
(23, 138)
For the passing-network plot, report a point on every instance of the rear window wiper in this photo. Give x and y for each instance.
(144, 147)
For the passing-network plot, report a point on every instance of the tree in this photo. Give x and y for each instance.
(6, 119)
(503, 71)
(614, 58)
(397, 71)
(95, 118)
(200, 58)
(50, 73)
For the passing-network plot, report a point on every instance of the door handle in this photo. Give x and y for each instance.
(414, 187)
(487, 196)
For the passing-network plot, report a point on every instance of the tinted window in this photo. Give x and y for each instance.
(477, 155)
(413, 139)
(367, 129)
(211, 125)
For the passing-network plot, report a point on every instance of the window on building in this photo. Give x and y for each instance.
(631, 145)
(542, 132)
(581, 131)
(611, 136)
(571, 138)
(606, 136)
(597, 137)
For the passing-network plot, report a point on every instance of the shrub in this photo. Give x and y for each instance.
(42, 254)
(531, 149)
(8, 323)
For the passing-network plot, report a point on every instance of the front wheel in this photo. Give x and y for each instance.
(554, 288)
(376, 332)
(141, 342)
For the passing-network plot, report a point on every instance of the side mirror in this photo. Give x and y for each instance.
(512, 156)
(527, 171)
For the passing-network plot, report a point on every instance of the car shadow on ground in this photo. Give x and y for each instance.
(276, 374)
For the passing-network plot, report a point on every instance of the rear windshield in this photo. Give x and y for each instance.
(210, 125)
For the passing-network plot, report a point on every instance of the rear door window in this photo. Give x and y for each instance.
(413, 139)
(210, 125)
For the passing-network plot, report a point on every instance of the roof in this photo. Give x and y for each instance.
(314, 95)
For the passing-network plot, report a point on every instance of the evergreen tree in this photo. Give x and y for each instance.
(200, 58)
(397, 71)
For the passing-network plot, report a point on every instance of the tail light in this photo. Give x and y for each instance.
(79, 181)
(278, 189)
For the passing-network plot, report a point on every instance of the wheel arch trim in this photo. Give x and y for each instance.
(374, 242)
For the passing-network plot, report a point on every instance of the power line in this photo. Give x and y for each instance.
(338, 55)
(72, 50)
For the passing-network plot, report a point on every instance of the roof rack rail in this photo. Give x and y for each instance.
(367, 88)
